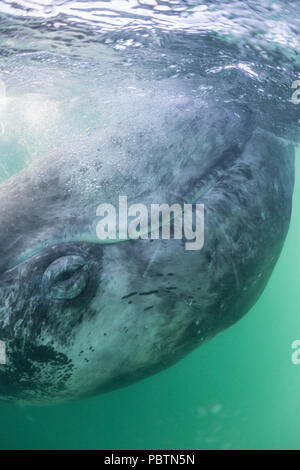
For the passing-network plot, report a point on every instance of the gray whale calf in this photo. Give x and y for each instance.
(80, 317)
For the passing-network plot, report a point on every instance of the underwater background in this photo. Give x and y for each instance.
(240, 390)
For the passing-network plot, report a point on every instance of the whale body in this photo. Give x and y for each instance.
(79, 316)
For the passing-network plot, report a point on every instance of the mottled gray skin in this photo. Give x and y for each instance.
(80, 317)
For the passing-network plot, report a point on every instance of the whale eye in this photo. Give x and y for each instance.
(65, 278)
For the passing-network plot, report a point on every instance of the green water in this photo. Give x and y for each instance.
(239, 391)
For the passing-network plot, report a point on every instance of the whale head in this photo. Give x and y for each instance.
(79, 316)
